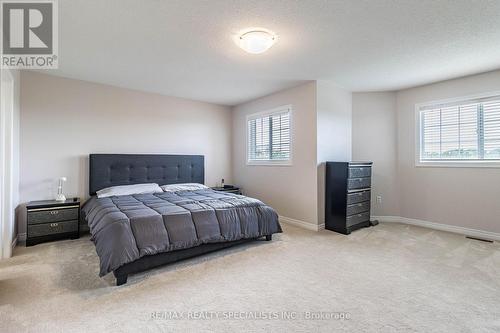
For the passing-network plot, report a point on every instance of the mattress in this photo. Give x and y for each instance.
(126, 228)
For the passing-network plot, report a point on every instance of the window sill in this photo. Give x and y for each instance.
(458, 164)
(269, 163)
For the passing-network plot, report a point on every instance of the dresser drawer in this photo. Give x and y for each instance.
(52, 228)
(358, 218)
(358, 208)
(356, 197)
(358, 172)
(52, 215)
(355, 183)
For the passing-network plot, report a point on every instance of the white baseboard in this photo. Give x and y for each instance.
(439, 226)
(395, 219)
(301, 224)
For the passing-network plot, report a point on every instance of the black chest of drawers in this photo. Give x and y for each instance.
(51, 220)
(347, 196)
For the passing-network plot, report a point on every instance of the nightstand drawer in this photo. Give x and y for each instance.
(45, 215)
(358, 208)
(52, 228)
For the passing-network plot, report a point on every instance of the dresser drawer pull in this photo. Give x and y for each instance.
(53, 225)
(54, 212)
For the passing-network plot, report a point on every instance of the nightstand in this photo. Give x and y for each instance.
(232, 189)
(50, 220)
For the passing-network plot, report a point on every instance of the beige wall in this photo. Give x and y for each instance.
(64, 120)
(334, 132)
(291, 190)
(374, 138)
(466, 197)
(334, 118)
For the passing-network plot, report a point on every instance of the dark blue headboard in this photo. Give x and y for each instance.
(107, 170)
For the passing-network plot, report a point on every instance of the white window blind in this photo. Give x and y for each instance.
(466, 130)
(269, 137)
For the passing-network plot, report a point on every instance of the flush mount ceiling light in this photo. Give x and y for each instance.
(256, 41)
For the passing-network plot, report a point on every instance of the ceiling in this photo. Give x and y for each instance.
(185, 48)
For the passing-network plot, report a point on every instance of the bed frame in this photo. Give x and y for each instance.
(107, 170)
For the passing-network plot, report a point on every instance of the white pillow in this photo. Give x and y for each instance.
(128, 189)
(183, 187)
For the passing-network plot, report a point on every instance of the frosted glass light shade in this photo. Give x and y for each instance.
(256, 41)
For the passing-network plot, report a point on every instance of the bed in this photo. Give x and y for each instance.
(136, 232)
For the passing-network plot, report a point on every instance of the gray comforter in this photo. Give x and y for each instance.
(125, 228)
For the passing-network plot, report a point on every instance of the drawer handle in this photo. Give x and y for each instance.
(53, 225)
(54, 212)
(359, 205)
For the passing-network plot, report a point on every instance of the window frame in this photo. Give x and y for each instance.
(449, 163)
(249, 117)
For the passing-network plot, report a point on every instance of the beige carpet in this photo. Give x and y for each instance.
(389, 278)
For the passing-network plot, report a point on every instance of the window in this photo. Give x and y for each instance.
(465, 131)
(269, 137)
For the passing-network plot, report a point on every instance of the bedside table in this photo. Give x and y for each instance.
(50, 220)
(235, 190)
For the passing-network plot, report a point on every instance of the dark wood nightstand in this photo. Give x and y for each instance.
(50, 220)
(232, 189)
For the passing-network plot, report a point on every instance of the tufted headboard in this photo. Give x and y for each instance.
(107, 170)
